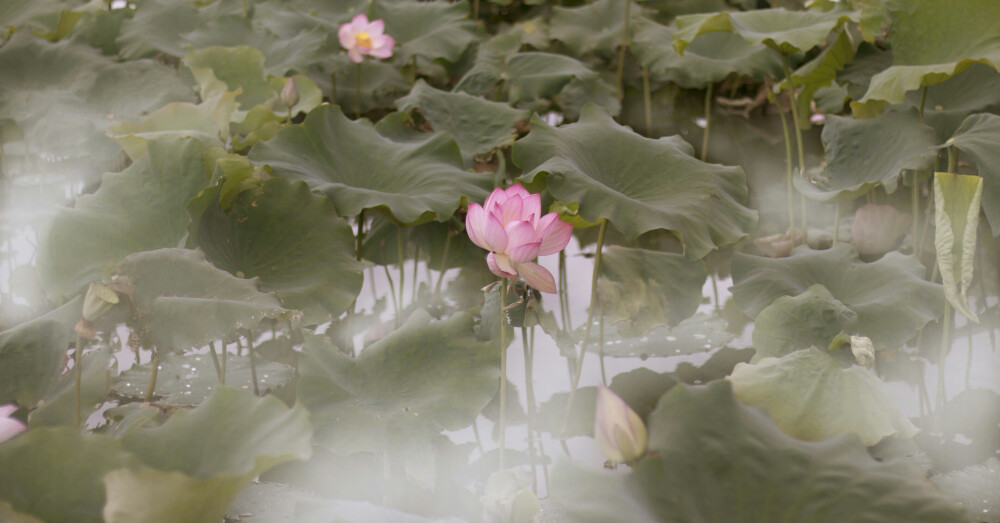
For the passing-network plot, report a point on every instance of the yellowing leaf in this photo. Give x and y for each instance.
(956, 198)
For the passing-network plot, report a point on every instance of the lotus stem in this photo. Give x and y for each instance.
(529, 389)
(915, 209)
(708, 121)
(413, 282)
(215, 361)
(715, 286)
(564, 293)
(600, 344)
(624, 48)
(836, 221)
(788, 173)
(402, 268)
(647, 101)
(943, 354)
(155, 364)
(357, 91)
(575, 382)
(253, 363)
(952, 160)
(475, 10)
(923, 101)
(798, 130)
(502, 427)
(78, 374)
(225, 358)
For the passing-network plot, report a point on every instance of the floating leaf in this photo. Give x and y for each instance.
(591, 28)
(240, 67)
(780, 29)
(640, 289)
(413, 183)
(862, 154)
(699, 333)
(977, 137)
(420, 379)
(187, 302)
(890, 296)
(157, 26)
(956, 219)
(812, 396)
(722, 461)
(282, 54)
(313, 270)
(207, 121)
(638, 184)
(811, 319)
(478, 125)
(431, 30)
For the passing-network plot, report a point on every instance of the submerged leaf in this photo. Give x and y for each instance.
(956, 203)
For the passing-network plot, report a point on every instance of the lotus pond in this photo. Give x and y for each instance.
(499, 260)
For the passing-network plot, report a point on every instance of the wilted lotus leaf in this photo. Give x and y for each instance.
(956, 222)
(878, 229)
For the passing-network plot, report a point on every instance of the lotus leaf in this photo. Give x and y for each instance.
(977, 137)
(780, 29)
(431, 30)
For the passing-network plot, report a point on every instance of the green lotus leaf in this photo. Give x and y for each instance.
(699, 333)
(932, 41)
(478, 125)
(240, 67)
(949, 103)
(956, 220)
(14, 13)
(977, 137)
(491, 58)
(638, 184)
(157, 27)
(184, 301)
(709, 58)
(890, 296)
(780, 29)
(811, 395)
(187, 379)
(101, 29)
(55, 473)
(431, 30)
(196, 462)
(381, 83)
(282, 54)
(397, 389)
(811, 319)
(592, 28)
(31, 358)
(413, 183)
(862, 154)
(719, 460)
(138, 209)
(533, 76)
(59, 405)
(869, 60)
(313, 270)
(640, 289)
(820, 72)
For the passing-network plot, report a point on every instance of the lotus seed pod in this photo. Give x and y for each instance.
(99, 300)
(290, 94)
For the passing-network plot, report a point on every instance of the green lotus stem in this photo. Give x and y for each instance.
(952, 159)
(708, 121)
(715, 285)
(943, 353)
(253, 363)
(215, 361)
(245, 8)
(413, 284)
(647, 101)
(795, 114)
(624, 48)
(402, 269)
(225, 358)
(600, 345)
(357, 92)
(563, 293)
(475, 9)
(155, 363)
(479, 441)
(78, 374)
(529, 389)
(502, 426)
(575, 382)
(923, 100)
(788, 174)
(915, 209)
(982, 289)
(444, 264)
(333, 88)
(392, 293)
(836, 221)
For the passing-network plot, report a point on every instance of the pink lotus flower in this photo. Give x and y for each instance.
(9, 427)
(360, 37)
(510, 225)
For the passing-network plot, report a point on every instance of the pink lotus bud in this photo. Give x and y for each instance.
(510, 225)
(617, 428)
(290, 94)
(9, 427)
(361, 38)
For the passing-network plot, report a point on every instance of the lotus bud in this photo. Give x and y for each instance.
(618, 429)
(9, 427)
(99, 300)
(290, 94)
(863, 351)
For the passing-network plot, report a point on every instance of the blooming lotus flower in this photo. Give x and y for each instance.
(9, 427)
(361, 37)
(510, 225)
(618, 429)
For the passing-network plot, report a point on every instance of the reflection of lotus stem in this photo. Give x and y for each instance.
(78, 372)
(788, 176)
(155, 363)
(708, 122)
(215, 361)
(575, 382)
(357, 91)
(798, 129)
(402, 269)
(624, 48)
(529, 390)
(502, 427)
(647, 101)
(253, 363)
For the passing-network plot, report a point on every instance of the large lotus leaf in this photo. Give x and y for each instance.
(638, 184)
(207, 121)
(55, 473)
(198, 460)
(949, 103)
(240, 67)
(780, 29)
(977, 137)
(592, 28)
(431, 30)
(381, 82)
(287, 236)
(31, 358)
(187, 379)
(491, 56)
(790, 323)
(869, 60)
(157, 27)
(699, 333)
(411, 182)
(297, 52)
(820, 72)
(862, 154)
(709, 58)
(532, 76)
(890, 296)
(138, 209)
(956, 220)
(478, 125)
(422, 378)
(187, 302)
(810, 395)
(932, 41)
(640, 289)
(719, 460)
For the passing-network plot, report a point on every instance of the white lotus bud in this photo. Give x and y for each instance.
(864, 352)
(290, 94)
(619, 431)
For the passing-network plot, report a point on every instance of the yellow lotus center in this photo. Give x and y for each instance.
(363, 40)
